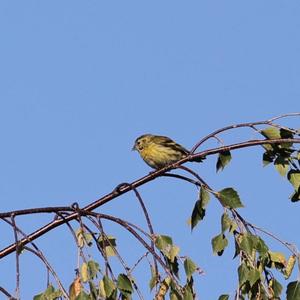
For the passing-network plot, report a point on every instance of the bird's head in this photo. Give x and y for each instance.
(142, 142)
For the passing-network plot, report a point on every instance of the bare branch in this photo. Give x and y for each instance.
(13, 223)
(40, 254)
(124, 189)
(7, 294)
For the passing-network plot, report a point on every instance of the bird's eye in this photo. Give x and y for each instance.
(139, 145)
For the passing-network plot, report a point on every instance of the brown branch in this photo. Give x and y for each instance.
(40, 254)
(137, 194)
(7, 294)
(195, 182)
(295, 114)
(37, 210)
(127, 226)
(236, 146)
(79, 248)
(249, 124)
(124, 189)
(14, 226)
(98, 224)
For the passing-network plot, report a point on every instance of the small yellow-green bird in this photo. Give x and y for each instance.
(159, 151)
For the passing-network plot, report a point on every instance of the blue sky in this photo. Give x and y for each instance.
(80, 80)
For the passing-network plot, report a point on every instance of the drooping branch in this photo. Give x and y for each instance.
(249, 124)
(40, 254)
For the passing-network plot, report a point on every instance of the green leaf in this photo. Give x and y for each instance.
(49, 294)
(225, 222)
(108, 286)
(165, 244)
(253, 276)
(83, 296)
(39, 297)
(163, 241)
(204, 196)
(248, 243)
(295, 196)
(268, 157)
(276, 287)
(174, 266)
(236, 246)
(108, 244)
(198, 214)
(243, 273)
(187, 294)
(190, 267)
(172, 253)
(271, 133)
(93, 268)
(261, 247)
(154, 278)
(223, 160)
(93, 290)
(124, 285)
(294, 178)
(293, 291)
(281, 165)
(89, 270)
(83, 238)
(230, 198)
(233, 227)
(50, 289)
(173, 295)
(219, 243)
(278, 257)
(224, 297)
(275, 133)
(200, 207)
(286, 134)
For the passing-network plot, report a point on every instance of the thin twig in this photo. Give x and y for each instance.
(99, 226)
(43, 258)
(197, 183)
(289, 246)
(146, 214)
(233, 126)
(79, 248)
(17, 257)
(49, 268)
(7, 294)
(126, 225)
(295, 114)
(138, 261)
(149, 226)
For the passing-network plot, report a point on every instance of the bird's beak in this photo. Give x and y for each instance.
(133, 148)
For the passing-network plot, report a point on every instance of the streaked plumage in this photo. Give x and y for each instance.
(159, 151)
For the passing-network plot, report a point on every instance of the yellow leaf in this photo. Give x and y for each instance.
(102, 289)
(163, 289)
(290, 266)
(75, 288)
(173, 252)
(84, 272)
(278, 257)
